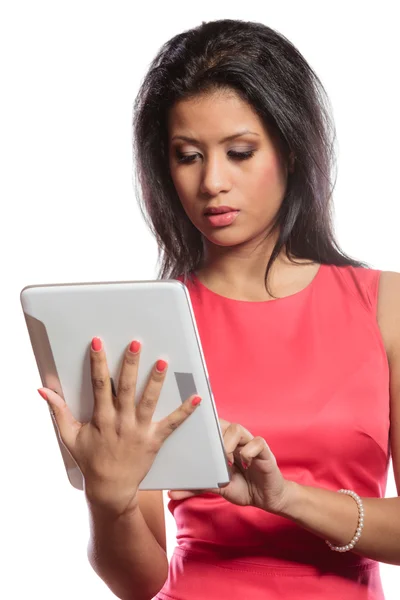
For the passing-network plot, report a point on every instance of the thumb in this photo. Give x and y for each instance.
(67, 425)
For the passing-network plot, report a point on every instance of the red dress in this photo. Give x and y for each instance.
(308, 373)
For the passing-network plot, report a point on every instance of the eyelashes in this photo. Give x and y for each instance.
(181, 158)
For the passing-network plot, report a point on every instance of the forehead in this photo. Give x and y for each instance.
(217, 112)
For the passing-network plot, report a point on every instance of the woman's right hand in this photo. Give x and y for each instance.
(116, 449)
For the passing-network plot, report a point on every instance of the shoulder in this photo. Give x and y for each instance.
(388, 311)
(379, 292)
(361, 282)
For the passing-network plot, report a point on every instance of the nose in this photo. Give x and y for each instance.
(215, 176)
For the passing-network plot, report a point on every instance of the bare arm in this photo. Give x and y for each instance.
(114, 452)
(334, 516)
(126, 553)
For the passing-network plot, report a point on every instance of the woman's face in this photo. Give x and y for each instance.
(212, 175)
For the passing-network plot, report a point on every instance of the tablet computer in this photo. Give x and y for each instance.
(63, 318)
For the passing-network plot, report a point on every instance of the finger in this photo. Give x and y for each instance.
(166, 426)
(224, 425)
(125, 400)
(182, 494)
(235, 436)
(256, 448)
(146, 406)
(68, 427)
(103, 409)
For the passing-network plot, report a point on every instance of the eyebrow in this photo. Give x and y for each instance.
(226, 139)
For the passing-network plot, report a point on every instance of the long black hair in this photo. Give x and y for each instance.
(268, 72)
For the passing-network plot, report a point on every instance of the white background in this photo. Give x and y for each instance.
(69, 75)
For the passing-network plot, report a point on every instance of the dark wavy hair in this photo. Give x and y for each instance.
(270, 74)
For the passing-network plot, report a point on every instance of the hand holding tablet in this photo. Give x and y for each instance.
(116, 449)
(121, 424)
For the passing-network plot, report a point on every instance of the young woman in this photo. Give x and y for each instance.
(234, 152)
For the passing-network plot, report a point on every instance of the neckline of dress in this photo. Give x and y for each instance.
(271, 301)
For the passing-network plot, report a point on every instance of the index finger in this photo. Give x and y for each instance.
(224, 425)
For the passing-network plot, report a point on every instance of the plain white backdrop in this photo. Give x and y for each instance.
(69, 75)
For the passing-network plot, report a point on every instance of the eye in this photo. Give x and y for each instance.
(188, 159)
(182, 158)
(242, 155)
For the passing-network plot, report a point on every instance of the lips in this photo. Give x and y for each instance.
(218, 210)
(222, 219)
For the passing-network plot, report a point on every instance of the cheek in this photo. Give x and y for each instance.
(266, 189)
(272, 181)
(185, 198)
(184, 191)
(270, 175)
(183, 183)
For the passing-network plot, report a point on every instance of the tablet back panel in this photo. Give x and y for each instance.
(62, 320)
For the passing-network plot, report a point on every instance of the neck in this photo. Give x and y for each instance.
(235, 264)
(239, 272)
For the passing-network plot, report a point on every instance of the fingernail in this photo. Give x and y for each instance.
(134, 347)
(230, 463)
(244, 465)
(96, 344)
(196, 400)
(43, 394)
(161, 365)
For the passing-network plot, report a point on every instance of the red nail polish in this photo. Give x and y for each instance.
(96, 344)
(43, 394)
(230, 463)
(244, 465)
(196, 400)
(134, 347)
(161, 365)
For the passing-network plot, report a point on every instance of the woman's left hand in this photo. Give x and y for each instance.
(256, 479)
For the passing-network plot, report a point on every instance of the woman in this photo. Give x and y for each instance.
(234, 151)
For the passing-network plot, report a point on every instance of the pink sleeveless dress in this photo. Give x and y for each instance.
(309, 373)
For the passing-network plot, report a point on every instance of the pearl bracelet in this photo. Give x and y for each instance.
(360, 524)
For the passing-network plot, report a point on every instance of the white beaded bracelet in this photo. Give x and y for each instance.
(360, 524)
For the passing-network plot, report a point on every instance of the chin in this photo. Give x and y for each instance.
(223, 239)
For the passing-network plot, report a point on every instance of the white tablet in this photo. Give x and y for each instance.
(62, 319)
